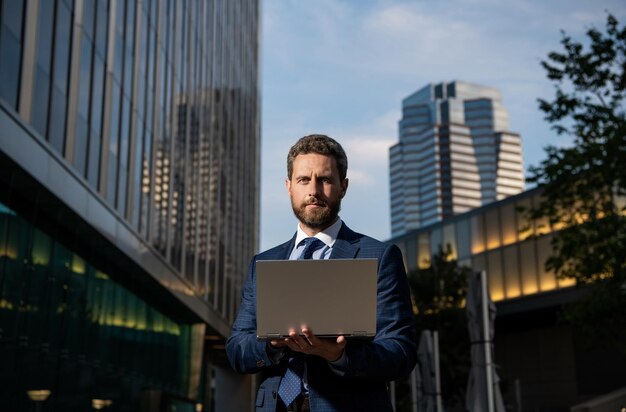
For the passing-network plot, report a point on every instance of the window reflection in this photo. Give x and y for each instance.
(43, 56)
(436, 241)
(12, 14)
(410, 254)
(478, 262)
(10, 58)
(39, 114)
(547, 279)
(492, 224)
(528, 267)
(525, 227)
(542, 226)
(508, 224)
(463, 238)
(449, 239)
(56, 133)
(423, 254)
(495, 275)
(78, 313)
(511, 272)
(478, 236)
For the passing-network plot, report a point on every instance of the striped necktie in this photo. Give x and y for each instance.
(291, 385)
(311, 244)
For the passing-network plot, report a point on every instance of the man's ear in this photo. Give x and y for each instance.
(288, 186)
(344, 187)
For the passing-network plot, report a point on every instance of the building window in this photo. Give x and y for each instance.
(60, 75)
(547, 279)
(11, 20)
(495, 275)
(492, 224)
(449, 239)
(423, 251)
(84, 100)
(41, 92)
(436, 241)
(508, 224)
(478, 262)
(114, 140)
(463, 238)
(511, 272)
(525, 227)
(410, 254)
(528, 267)
(478, 234)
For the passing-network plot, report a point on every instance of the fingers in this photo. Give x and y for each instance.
(310, 344)
(341, 341)
(298, 343)
(310, 337)
(277, 343)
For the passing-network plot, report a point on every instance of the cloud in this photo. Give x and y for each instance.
(367, 147)
(342, 68)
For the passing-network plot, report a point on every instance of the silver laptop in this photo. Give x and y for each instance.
(331, 296)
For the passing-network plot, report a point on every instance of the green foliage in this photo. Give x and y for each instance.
(439, 298)
(584, 186)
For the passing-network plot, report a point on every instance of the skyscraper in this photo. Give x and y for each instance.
(455, 153)
(129, 152)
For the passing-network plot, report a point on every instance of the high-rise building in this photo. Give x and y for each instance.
(129, 194)
(455, 153)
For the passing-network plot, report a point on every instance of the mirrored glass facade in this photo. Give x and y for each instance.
(455, 153)
(488, 238)
(129, 146)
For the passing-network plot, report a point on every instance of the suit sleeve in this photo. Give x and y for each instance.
(392, 353)
(245, 353)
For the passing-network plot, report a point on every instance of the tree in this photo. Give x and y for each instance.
(584, 186)
(439, 297)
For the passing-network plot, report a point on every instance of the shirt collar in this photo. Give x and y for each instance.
(328, 235)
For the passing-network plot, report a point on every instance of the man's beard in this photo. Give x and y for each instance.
(318, 218)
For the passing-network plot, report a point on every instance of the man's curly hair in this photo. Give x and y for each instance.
(320, 144)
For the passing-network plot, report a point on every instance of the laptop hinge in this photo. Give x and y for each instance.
(272, 336)
(359, 333)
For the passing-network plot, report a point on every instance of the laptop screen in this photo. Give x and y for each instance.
(331, 296)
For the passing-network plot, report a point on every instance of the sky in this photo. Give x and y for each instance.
(342, 68)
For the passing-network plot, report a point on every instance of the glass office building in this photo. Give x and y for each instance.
(455, 153)
(544, 363)
(129, 151)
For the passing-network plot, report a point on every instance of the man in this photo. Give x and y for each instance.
(337, 375)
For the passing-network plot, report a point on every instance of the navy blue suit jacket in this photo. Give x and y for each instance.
(390, 355)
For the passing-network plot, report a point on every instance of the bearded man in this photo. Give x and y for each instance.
(338, 375)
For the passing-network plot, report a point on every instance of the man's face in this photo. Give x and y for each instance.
(316, 190)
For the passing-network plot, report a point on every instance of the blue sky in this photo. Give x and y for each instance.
(343, 67)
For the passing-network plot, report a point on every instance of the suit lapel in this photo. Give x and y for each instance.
(283, 251)
(347, 244)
